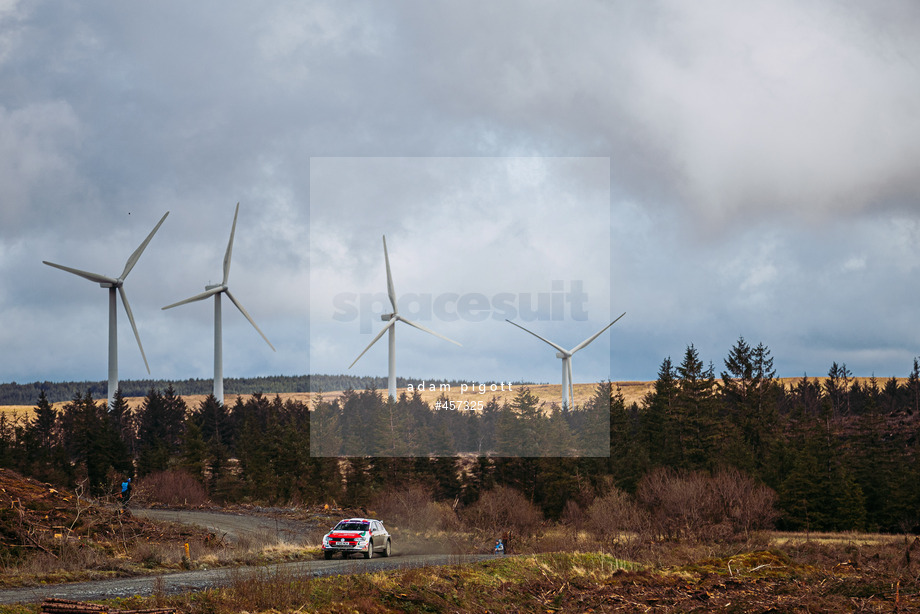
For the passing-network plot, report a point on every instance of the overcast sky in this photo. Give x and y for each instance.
(713, 169)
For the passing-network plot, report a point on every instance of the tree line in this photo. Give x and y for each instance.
(839, 454)
(58, 392)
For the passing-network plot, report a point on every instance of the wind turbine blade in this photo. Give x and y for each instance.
(197, 297)
(595, 335)
(140, 250)
(427, 330)
(124, 301)
(248, 317)
(96, 277)
(539, 337)
(229, 250)
(390, 290)
(390, 323)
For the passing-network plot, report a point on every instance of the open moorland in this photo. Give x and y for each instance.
(632, 392)
(548, 393)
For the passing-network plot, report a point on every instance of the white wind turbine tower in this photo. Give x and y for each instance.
(391, 319)
(568, 391)
(116, 284)
(216, 290)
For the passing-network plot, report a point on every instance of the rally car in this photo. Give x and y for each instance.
(357, 535)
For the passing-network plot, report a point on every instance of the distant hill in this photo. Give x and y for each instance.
(61, 392)
(57, 392)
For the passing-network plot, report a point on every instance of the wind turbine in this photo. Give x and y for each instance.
(116, 284)
(391, 319)
(568, 391)
(216, 290)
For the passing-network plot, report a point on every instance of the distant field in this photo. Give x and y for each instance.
(632, 392)
(549, 393)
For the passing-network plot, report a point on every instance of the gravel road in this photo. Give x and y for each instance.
(235, 527)
(190, 581)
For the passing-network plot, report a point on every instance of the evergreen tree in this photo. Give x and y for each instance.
(590, 423)
(658, 427)
(912, 389)
(748, 395)
(93, 442)
(41, 455)
(697, 423)
(43, 423)
(890, 398)
(7, 442)
(628, 460)
(122, 420)
(325, 429)
(161, 427)
(819, 493)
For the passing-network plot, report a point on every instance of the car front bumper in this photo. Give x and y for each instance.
(345, 548)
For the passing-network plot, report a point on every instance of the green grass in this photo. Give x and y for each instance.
(567, 582)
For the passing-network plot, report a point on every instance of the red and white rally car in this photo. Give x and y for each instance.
(362, 535)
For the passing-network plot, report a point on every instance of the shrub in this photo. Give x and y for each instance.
(615, 517)
(705, 507)
(414, 509)
(501, 511)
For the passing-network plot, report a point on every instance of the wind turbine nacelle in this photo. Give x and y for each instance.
(386, 317)
(212, 286)
(107, 285)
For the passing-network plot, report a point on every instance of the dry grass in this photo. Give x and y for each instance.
(785, 538)
(548, 393)
(633, 392)
(699, 579)
(17, 411)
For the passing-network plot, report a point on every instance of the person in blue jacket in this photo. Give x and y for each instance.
(125, 492)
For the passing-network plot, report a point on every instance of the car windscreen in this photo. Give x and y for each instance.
(352, 526)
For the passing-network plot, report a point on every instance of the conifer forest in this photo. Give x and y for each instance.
(837, 452)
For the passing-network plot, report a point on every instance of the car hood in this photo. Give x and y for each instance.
(344, 534)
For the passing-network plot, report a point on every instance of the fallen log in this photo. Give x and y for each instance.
(53, 605)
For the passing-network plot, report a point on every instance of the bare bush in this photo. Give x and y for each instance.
(699, 506)
(615, 518)
(503, 511)
(746, 504)
(414, 509)
(171, 487)
(573, 516)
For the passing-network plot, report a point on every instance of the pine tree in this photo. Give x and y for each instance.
(39, 444)
(43, 423)
(194, 451)
(7, 442)
(912, 388)
(696, 412)
(748, 395)
(658, 426)
(325, 429)
(596, 432)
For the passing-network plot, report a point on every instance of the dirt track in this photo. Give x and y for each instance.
(234, 527)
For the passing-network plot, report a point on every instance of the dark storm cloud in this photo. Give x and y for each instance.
(762, 160)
